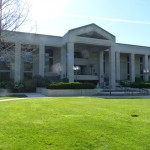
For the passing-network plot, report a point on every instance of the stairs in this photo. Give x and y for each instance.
(124, 91)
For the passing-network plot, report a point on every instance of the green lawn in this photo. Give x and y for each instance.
(75, 124)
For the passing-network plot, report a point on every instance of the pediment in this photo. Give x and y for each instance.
(93, 34)
(92, 31)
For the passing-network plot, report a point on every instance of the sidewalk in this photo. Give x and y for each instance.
(32, 95)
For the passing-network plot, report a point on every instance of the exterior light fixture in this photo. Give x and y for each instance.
(76, 69)
(146, 72)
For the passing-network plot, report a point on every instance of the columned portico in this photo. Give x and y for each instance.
(112, 68)
(70, 61)
(91, 48)
(41, 60)
(132, 67)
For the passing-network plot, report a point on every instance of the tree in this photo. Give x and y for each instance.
(13, 15)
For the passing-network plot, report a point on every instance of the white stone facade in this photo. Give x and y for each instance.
(100, 59)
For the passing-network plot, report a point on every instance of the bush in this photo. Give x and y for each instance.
(18, 87)
(125, 83)
(6, 84)
(71, 85)
(139, 79)
(140, 85)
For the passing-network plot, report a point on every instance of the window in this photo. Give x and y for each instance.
(4, 59)
(28, 59)
(4, 76)
(49, 60)
(104, 63)
(128, 67)
(141, 67)
(77, 55)
(27, 75)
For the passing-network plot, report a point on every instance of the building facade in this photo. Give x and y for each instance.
(90, 49)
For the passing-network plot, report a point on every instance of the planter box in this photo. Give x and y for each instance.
(67, 92)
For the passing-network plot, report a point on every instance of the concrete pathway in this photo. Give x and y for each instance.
(12, 99)
(29, 95)
(32, 95)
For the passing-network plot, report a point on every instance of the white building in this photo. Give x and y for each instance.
(90, 47)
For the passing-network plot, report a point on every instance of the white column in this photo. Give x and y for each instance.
(132, 67)
(118, 66)
(63, 62)
(17, 77)
(41, 60)
(112, 70)
(101, 69)
(70, 61)
(146, 68)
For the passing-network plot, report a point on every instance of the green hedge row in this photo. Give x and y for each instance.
(71, 85)
(136, 84)
(140, 85)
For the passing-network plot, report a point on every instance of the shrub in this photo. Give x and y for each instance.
(140, 85)
(71, 85)
(18, 87)
(6, 84)
(137, 79)
(125, 83)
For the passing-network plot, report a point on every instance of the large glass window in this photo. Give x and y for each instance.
(27, 54)
(6, 55)
(141, 67)
(4, 59)
(27, 57)
(128, 67)
(49, 60)
(4, 75)
(78, 55)
(104, 64)
(28, 61)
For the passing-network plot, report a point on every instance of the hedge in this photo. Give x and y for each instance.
(140, 85)
(71, 85)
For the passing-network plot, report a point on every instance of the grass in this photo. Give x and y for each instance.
(75, 124)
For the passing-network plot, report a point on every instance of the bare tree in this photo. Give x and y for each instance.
(13, 15)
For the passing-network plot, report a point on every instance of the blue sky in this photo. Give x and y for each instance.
(128, 20)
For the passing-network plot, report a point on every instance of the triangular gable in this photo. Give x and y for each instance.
(92, 31)
(93, 34)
